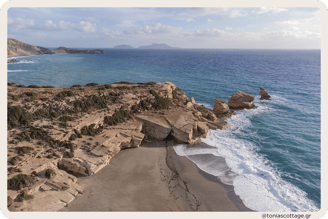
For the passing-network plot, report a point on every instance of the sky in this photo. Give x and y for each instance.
(214, 28)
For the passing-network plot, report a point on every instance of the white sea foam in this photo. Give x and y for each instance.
(22, 62)
(258, 184)
(16, 70)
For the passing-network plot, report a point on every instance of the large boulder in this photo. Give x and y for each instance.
(264, 94)
(220, 107)
(154, 126)
(241, 100)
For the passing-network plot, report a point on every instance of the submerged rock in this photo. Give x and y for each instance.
(241, 100)
(264, 94)
(220, 107)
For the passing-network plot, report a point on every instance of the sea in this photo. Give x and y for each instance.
(271, 153)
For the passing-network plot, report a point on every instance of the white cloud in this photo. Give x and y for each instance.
(262, 10)
(63, 24)
(210, 33)
(190, 20)
(126, 23)
(20, 22)
(209, 20)
(50, 25)
(224, 12)
(90, 20)
(155, 29)
(109, 32)
(84, 26)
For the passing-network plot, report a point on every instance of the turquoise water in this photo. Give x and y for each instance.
(273, 151)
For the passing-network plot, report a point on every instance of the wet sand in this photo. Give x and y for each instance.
(154, 178)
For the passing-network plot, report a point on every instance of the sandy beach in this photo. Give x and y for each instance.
(154, 178)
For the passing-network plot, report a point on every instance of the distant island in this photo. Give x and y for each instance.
(157, 46)
(17, 48)
(123, 46)
(152, 46)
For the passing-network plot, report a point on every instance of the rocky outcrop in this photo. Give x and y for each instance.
(79, 129)
(16, 48)
(264, 94)
(220, 107)
(241, 100)
(12, 61)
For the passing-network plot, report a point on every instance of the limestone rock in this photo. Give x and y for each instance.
(192, 100)
(206, 113)
(220, 107)
(241, 100)
(73, 165)
(264, 94)
(155, 127)
(189, 104)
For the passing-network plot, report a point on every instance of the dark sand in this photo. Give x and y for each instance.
(154, 178)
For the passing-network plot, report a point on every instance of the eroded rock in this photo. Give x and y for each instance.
(264, 94)
(241, 100)
(220, 107)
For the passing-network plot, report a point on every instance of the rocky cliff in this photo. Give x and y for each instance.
(54, 132)
(16, 48)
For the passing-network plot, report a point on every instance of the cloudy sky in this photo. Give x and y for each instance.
(238, 28)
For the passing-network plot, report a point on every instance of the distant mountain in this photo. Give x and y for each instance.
(157, 46)
(123, 46)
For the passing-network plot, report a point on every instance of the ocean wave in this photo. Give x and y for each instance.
(255, 181)
(16, 70)
(23, 62)
(258, 184)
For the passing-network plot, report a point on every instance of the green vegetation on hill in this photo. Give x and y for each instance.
(18, 116)
(118, 117)
(20, 181)
(161, 103)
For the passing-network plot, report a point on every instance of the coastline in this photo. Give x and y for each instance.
(154, 178)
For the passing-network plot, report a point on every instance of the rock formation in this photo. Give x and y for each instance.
(264, 94)
(54, 132)
(17, 48)
(241, 100)
(220, 107)
(12, 61)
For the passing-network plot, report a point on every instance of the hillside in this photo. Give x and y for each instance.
(17, 48)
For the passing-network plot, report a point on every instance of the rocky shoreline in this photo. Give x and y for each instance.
(57, 134)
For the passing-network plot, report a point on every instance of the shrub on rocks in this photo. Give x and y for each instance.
(91, 84)
(20, 181)
(118, 117)
(73, 137)
(25, 196)
(161, 103)
(18, 116)
(33, 86)
(66, 118)
(13, 161)
(63, 94)
(70, 154)
(90, 130)
(50, 173)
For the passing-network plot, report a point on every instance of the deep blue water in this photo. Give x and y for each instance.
(276, 148)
